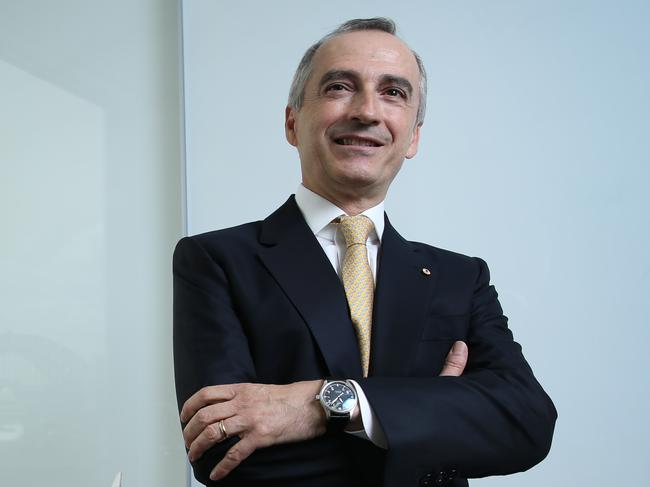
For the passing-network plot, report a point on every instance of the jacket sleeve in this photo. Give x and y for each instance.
(210, 346)
(495, 419)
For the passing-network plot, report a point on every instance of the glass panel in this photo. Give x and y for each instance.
(89, 212)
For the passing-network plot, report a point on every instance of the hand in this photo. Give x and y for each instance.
(261, 415)
(456, 360)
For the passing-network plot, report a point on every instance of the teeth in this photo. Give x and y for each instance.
(361, 142)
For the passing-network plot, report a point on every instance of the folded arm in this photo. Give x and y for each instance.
(495, 419)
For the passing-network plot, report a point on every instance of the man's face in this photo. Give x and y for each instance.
(358, 118)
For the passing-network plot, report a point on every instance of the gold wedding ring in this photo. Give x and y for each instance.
(222, 428)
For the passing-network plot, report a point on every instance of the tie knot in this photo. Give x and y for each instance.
(355, 229)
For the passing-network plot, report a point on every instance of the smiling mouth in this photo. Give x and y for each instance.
(357, 142)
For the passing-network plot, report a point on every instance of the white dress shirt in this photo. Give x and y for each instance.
(319, 214)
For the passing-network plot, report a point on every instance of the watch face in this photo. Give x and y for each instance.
(339, 397)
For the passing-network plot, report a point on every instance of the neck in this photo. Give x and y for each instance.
(351, 204)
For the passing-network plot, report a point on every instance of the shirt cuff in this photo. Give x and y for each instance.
(372, 430)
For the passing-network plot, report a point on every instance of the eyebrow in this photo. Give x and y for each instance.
(386, 79)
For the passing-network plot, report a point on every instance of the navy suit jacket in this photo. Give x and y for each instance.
(262, 303)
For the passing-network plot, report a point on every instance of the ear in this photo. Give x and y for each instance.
(415, 139)
(290, 126)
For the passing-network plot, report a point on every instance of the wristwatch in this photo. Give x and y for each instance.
(338, 399)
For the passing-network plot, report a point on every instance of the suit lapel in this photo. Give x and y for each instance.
(402, 300)
(296, 260)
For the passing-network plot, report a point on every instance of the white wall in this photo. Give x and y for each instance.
(90, 209)
(534, 156)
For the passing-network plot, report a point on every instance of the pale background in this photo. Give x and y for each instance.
(535, 156)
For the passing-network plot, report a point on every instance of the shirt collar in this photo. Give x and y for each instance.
(319, 212)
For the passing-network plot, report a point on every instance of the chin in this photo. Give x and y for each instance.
(357, 175)
(359, 184)
(358, 171)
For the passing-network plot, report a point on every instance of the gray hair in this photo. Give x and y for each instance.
(306, 66)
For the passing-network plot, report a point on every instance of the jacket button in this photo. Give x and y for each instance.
(442, 478)
(452, 474)
(426, 481)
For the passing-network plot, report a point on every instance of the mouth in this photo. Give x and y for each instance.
(357, 141)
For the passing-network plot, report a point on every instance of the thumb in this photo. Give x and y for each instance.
(456, 360)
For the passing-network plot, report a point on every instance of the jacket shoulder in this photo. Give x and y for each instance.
(220, 243)
(445, 255)
(240, 233)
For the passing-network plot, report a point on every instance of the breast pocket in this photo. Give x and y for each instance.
(452, 327)
(438, 336)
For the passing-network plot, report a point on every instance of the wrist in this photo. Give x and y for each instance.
(297, 401)
(316, 412)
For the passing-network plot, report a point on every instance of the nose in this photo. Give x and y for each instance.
(365, 107)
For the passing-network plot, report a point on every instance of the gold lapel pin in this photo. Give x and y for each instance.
(426, 271)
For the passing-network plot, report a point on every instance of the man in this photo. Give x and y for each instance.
(325, 299)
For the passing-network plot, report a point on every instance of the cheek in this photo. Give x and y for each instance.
(394, 169)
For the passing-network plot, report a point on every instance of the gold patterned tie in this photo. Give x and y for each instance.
(358, 281)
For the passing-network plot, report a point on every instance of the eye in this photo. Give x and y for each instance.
(336, 87)
(395, 92)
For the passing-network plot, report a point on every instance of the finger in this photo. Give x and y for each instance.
(205, 396)
(212, 435)
(237, 454)
(456, 360)
(209, 415)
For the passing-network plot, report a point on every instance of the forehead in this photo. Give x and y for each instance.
(370, 52)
